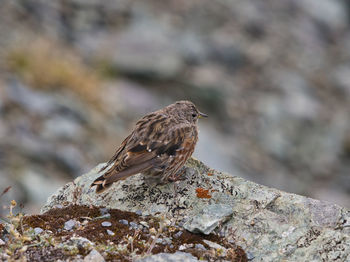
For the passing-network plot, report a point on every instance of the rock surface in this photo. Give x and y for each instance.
(163, 257)
(269, 224)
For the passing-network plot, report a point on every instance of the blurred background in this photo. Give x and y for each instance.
(274, 77)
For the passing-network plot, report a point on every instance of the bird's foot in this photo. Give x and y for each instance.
(179, 176)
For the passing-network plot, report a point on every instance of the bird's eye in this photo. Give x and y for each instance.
(194, 115)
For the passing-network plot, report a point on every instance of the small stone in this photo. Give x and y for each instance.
(138, 212)
(68, 225)
(109, 232)
(134, 225)
(213, 244)
(208, 218)
(76, 242)
(182, 247)
(250, 255)
(124, 222)
(106, 224)
(144, 223)
(38, 230)
(94, 256)
(178, 234)
(216, 246)
(105, 216)
(2, 242)
(200, 246)
(185, 246)
(176, 257)
(159, 240)
(104, 211)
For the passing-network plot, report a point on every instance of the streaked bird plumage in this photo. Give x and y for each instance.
(158, 147)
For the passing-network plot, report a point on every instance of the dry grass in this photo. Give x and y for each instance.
(49, 65)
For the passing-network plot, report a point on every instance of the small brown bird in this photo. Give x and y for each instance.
(158, 147)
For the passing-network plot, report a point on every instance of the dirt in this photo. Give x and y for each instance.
(136, 238)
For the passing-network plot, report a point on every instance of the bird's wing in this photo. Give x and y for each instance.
(154, 136)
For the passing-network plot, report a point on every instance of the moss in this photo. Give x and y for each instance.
(128, 240)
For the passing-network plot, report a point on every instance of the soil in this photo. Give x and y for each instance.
(136, 235)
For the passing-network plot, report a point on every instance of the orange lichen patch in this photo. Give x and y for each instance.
(202, 193)
(210, 174)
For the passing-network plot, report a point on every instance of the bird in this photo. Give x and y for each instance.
(158, 146)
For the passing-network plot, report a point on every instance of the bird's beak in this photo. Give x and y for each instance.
(202, 115)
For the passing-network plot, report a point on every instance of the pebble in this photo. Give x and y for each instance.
(178, 234)
(68, 225)
(213, 244)
(106, 224)
(108, 215)
(200, 246)
(104, 211)
(124, 222)
(134, 225)
(144, 223)
(250, 256)
(185, 246)
(94, 256)
(138, 212)
(2, 242)
(109, 232)
(38, 230)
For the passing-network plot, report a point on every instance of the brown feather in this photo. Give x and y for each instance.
(160, 144)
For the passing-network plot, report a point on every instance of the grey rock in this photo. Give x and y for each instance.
(31, 180)
(38, 230)
(250, 256)
(111, 233)
(104, 211)
(331, 13)
(133, 225)
(68, 225)
(178, 234)
(147, 48)
(124, 222)
(164, 257)
(106, 224)
(207, 219)
(33, 101)
(341, 77)
(76, 242)
(272, 224)
(62, 127)
(213, 244)
(200, 246)
(94, 256)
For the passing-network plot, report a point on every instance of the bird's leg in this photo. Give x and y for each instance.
(180, 175)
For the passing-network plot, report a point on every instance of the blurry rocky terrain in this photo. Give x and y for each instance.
(274, 76)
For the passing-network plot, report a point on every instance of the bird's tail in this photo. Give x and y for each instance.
(106, 180)
(101, 184)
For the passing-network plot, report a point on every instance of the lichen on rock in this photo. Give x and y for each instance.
(269, 224)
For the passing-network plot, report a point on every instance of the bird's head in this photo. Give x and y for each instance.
(185, 110)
